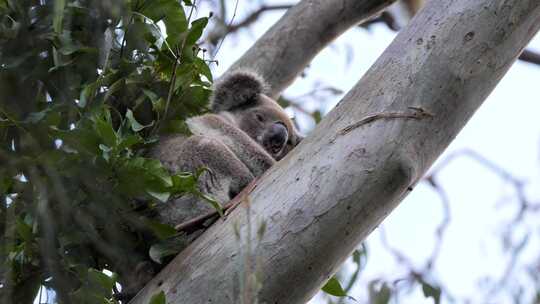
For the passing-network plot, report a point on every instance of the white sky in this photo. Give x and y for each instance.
(505, 130)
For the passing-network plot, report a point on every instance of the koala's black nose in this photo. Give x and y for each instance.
(276, 138)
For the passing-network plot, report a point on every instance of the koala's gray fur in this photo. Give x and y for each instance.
(243, 136)
(236, 89)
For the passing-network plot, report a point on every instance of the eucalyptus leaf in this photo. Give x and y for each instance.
(431, 291)
(333, 287)
(158, 298)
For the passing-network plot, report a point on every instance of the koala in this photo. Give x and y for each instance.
(244, 135)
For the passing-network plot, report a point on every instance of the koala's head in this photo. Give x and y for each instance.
(240, 97)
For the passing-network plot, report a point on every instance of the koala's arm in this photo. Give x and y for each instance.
(246, 149)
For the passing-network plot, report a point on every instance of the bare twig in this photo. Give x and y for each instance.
(417, 114)
(230, 23)
(225, 29)
(443, 225)
(238, 199)
(530, 56)
(385, 18)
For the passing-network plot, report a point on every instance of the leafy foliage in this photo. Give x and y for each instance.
(86, 87)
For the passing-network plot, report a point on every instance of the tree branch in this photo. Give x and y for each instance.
(412, 7)
(290, 45)
(530, 56)
(224, 29)
(325, 197)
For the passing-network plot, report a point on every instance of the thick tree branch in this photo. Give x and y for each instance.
(290, 45)
(326, 196)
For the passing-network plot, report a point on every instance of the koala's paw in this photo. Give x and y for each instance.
(236, 89)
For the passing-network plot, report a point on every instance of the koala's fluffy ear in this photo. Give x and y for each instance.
(236, 89)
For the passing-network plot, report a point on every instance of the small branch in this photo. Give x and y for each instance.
(385, 18)
(230, 23)
(230, 206)
(443, 225)
(530, 56)
(249, 20)
(254, 16)
(418, 114)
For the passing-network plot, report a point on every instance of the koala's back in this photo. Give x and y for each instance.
(225, 176)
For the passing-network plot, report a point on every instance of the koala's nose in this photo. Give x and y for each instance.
(278, 134)
(277, 137)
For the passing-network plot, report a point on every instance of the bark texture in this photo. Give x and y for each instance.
(290, 45)
(362, 159)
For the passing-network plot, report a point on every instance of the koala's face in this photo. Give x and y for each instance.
(268, 124)
(240, 96)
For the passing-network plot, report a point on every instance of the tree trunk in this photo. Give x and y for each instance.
(363, 158)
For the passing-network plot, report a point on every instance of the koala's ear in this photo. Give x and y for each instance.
(236, 89)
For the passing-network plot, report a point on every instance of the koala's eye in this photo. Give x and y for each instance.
(259, 117)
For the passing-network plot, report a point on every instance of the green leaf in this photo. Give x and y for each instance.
(36, 117)
(101, 280)
(204, 69)
(160, 196)
(195, 31)
(183, 182)
(158, 171)
(24, 230)
(59, 6)
(167, 248)
(135, 125)
(158, 298)
(9, 28)
(151, 95)
(333, 287)
(177, 126)
(173, 16)
(106, 132)
(5, 183)
(431, 291)
(162, 231)
(115, 87)
(130, 140)
(212, 202)
(86, 94)
(380, 295)
(144, 175)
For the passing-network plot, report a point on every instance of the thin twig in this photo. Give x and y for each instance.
(418, 113)
(124, 38)
(443, 225)
(530, 56)
(228, 208)
(176, 57)
(250, 19)
(230, 23)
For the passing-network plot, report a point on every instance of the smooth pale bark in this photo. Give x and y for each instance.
(290, 44)
(336, 187)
